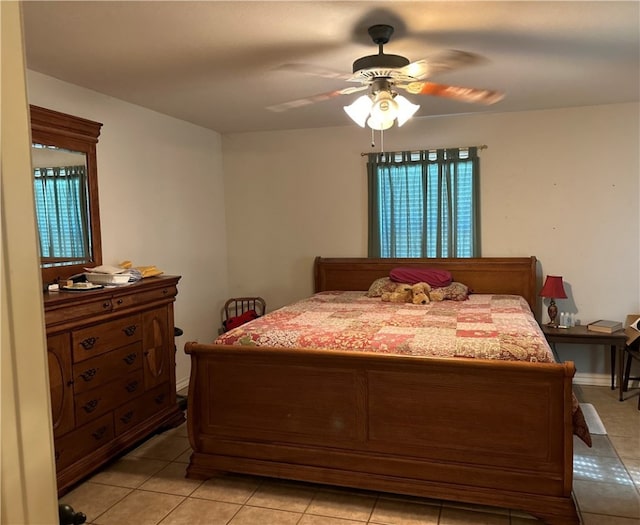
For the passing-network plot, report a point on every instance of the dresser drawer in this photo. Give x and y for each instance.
(83, 440)
(97, 401)
(127, 301)
(94, 372)
(98, 339)
(70, 312)
(130, 414)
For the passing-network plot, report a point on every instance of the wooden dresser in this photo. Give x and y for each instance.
(111, 359)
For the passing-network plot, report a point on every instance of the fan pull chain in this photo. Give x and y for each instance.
(373, 140)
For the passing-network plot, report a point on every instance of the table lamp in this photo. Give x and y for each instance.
(553, 289)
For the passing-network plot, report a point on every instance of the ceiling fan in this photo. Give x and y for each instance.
(383, 74)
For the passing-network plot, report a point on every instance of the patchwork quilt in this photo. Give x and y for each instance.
(484, 326)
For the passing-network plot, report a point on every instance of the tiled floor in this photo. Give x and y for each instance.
(148, 487)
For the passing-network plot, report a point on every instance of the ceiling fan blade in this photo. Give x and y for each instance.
(441, 63)
(316, 71)
(464, 94)
(315, 98)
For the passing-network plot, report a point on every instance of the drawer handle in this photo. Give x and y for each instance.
(99, 434)
(91, 406)
(88, 375)
(89, 342)
(165, 291)
(130, 330)
(159, 399)
(132, 387)
(130, 358)
(119, 301)
(106, 305)
(127, 417)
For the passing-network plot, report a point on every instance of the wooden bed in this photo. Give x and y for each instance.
(470, 430)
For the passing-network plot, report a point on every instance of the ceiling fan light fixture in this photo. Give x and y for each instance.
(359, 110)
(406, 109)
(384, 106)
(379, 124)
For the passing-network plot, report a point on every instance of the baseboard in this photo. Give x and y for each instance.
(592, 379)
(183, 383)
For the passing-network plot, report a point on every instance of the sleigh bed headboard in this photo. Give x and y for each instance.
(501, 275)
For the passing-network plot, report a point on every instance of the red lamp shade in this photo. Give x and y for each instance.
(553, 288)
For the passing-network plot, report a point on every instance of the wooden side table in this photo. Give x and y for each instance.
(580, 335)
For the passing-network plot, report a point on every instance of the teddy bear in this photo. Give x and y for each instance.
(402, 294)
(422, 293)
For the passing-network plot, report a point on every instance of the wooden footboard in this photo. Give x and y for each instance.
(489, 432)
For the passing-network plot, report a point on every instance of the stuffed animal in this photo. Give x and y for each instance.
(420, 293)
(402, 294)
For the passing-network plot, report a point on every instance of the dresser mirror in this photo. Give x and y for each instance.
(65, 182)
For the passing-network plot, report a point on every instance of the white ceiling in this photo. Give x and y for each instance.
(216, 64)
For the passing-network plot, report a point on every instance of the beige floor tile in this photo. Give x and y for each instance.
(310, 519)
(260, 516)
(346, 505)
(399, 512)
(163, 446)
(185, 457)
(129, 472)
(140, 507)
(599, 519)
(633, 468)
(622, 425)
(232, 489)
(453, 516)
(195, 511)
(93, 498)
(626, 447)
(607, 498)
(600, 468)
(283, 496)
(476, 507)
(171, 480)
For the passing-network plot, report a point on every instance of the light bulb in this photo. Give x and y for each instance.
(379, 124)
(359, 110)
(384, 107)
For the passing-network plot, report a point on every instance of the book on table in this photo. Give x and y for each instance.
(605, 326)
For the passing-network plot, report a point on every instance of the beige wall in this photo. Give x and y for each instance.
(562, 185)
(161, 199)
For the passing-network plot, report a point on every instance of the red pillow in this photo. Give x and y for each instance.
(436, 278)
(234, 322)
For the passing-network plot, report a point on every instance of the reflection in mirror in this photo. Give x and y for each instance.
(65, 186)
(60, 189)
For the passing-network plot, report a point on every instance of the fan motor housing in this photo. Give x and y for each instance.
(380, 61)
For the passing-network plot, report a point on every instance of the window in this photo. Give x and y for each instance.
(424, 203)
